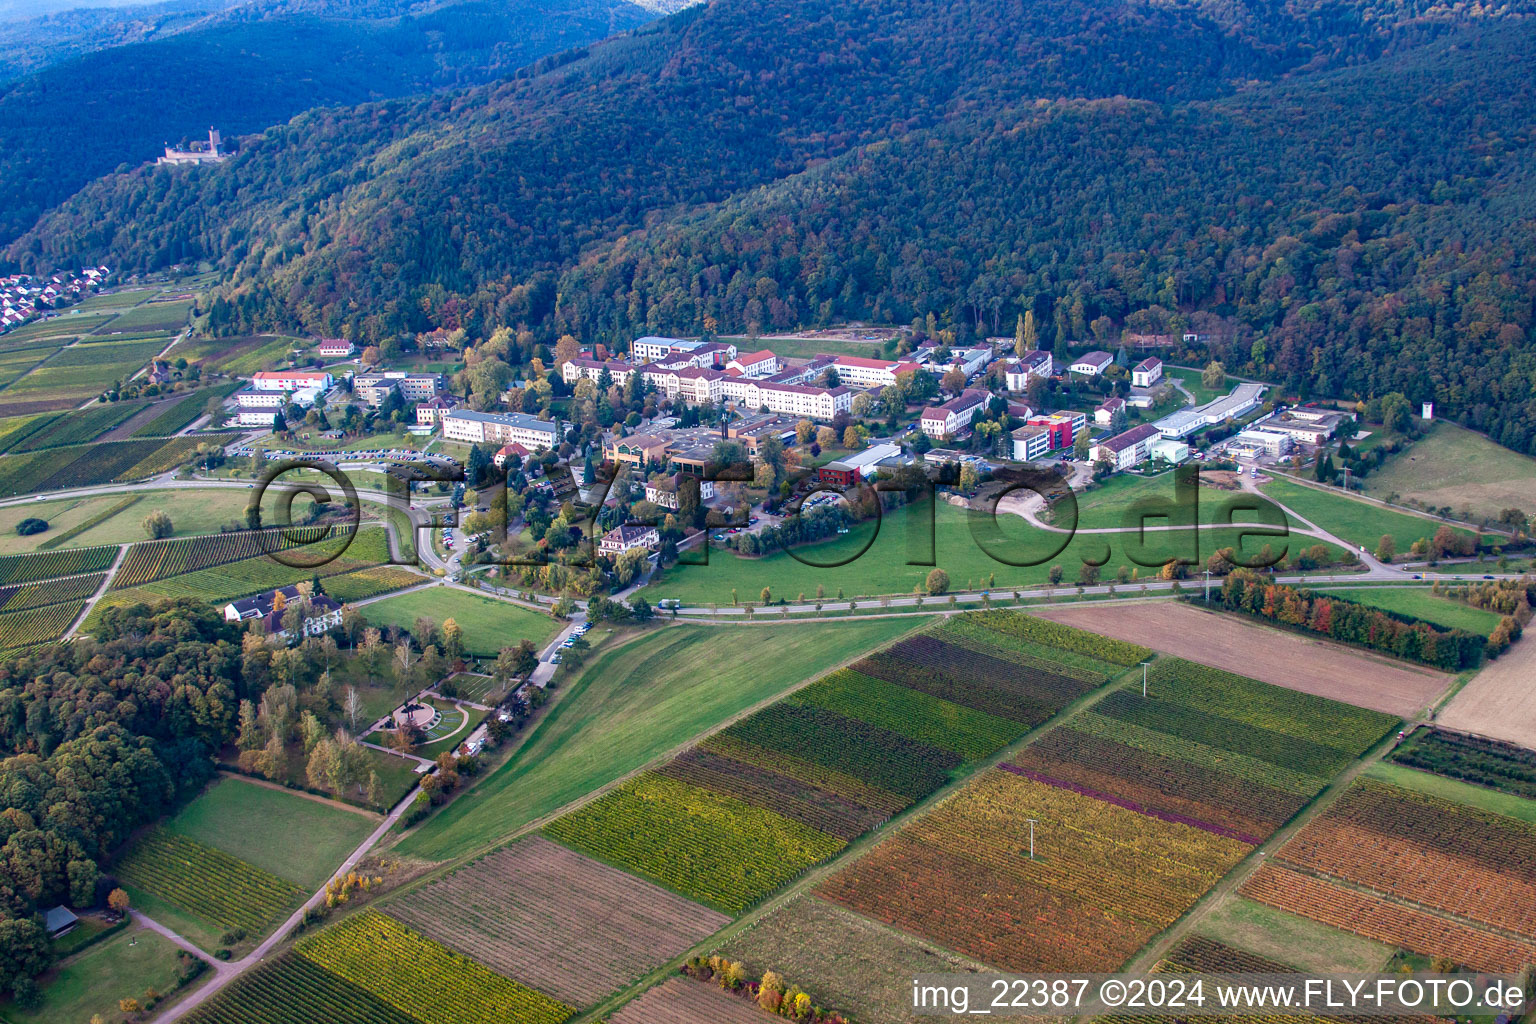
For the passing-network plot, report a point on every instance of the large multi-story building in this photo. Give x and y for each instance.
(754, 364)
(804, 400)
(375, 388)
(290, 380)
(335, 348)
(1030, 443)
(500, 428)
(863, 372)
(652, 349)
(1063, 426)
(592, 369)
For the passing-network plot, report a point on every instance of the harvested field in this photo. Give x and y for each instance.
(685, 1001)
(551, 918)
(846, 962)
(1497, 702)
(1284, 659)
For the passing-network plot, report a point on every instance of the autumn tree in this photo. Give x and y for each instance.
(1214, 376)
(937, 582)
(157, 525)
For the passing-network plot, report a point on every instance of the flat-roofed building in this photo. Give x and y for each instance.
(1031, 443)
(1261, 440)
(374, 388)
(499, 428)
(290, 380)
(636, 450)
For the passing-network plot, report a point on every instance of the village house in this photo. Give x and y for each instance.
(626, 538)
(664, 492)
(1147, 372)
(322, 614)
(1105, 414)
(335, 348)
(506, 451)
(431, 412)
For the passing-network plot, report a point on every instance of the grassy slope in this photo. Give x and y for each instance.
(882, 569)
(1354, 521)
(192, 512)
(120, 967)
(488, 624)
(1421, 603)
(1293, 940)
(241, 818)
(1460, 468)
(1106, 507)
(634, 703)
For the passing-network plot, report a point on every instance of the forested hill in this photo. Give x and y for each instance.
(1372, 229)
(1344, 180)
(259, 65)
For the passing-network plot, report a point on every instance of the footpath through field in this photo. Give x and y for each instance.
(225, 972)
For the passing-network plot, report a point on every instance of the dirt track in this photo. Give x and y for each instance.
(1271, 655)
(1500, 701)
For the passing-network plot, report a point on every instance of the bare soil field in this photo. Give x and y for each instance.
(846, 962)
(1500, 701)
(548, 917)
(685, 1001)
(1294, 661)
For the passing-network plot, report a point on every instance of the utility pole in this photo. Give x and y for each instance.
(1144, 677)
(1207, 586)
(1032, 823)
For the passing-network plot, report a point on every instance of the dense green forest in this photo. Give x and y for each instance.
(32, 43)
(67, 124)
(1341, 187)
(96, 739)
